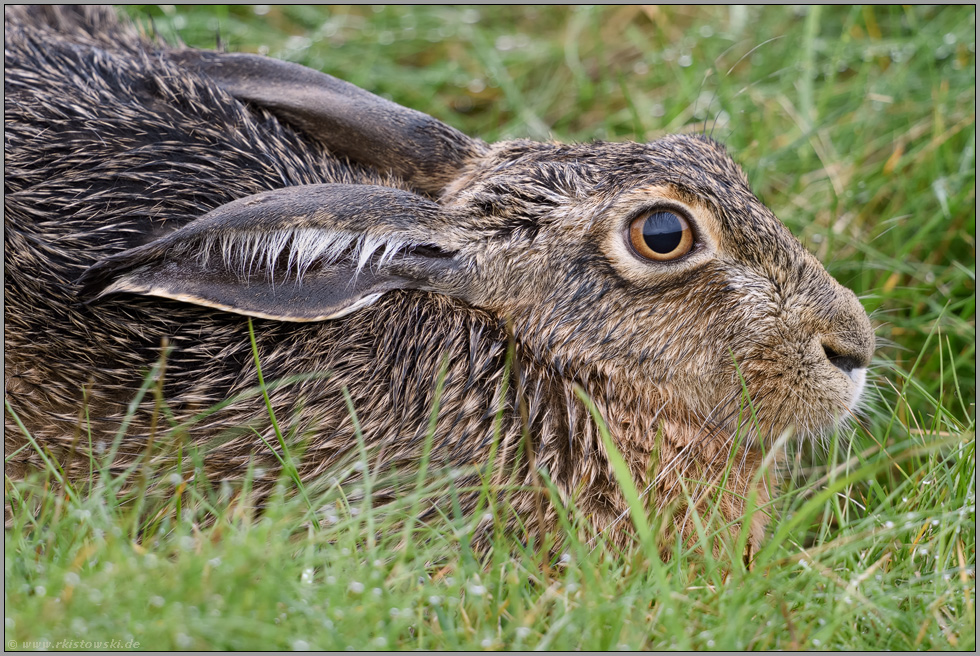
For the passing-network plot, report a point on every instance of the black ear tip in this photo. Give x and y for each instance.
(91, 282)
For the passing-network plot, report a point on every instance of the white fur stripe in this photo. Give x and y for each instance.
(246, 252)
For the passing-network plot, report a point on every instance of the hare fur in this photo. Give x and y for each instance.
(156, 198)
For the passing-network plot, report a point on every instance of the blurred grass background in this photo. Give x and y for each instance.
(855, 124)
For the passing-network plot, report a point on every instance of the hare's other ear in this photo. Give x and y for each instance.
(305, 253)
(366, 128)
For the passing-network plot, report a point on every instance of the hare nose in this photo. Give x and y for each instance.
(846, 362)
(847, 337)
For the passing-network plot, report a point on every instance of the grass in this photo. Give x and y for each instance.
(855, 124)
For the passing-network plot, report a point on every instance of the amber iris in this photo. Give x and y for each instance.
(661, 235)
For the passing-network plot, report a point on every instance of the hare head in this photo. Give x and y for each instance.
(647, 274)
(656, 265)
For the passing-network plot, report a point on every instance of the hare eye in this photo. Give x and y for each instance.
(661, 235)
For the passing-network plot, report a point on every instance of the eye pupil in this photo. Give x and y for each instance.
(663, 232)
(661, 235)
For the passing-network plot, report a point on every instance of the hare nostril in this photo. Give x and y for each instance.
(846, 363)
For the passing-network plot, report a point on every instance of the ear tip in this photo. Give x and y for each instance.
(96, 280)
(90, 285)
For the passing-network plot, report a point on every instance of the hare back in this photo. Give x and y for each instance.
(109, 146)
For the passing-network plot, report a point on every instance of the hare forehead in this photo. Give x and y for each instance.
(576, 193)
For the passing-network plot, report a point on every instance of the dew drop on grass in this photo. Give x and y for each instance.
(685, 60)
(300, 645)
(72, 579)
(522, 632)
(40, 590)
(297, 42)
(157, 601)
(507, 42)
(477, 589)
(356, 587)
(486, 643)
(376, 592)
(307, 576)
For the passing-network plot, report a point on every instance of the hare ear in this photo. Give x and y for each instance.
(293, 254)
(366, 128)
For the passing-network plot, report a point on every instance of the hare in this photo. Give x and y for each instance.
(158, 198)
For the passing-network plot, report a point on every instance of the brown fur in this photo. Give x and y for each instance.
(111, 144)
